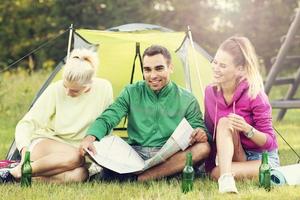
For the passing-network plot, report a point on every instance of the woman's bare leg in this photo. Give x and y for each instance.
(231, 155)
(51, 158)
(246, 169)
(79, 174)
(229, 147)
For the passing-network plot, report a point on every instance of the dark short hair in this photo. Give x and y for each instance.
(157, 49)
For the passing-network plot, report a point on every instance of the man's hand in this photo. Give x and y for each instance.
(198, 135)
(87, 143)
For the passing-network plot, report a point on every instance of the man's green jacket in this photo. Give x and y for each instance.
(152, 117)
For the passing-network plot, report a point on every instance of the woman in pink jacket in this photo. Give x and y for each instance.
(238, 115)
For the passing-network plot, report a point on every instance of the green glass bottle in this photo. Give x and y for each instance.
(265, 172)
(26, 171)
(188, 174)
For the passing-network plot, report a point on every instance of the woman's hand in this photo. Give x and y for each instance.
(87, 143)
(23, 151)
(238, 123)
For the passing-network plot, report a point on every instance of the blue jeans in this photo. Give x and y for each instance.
(273, 157)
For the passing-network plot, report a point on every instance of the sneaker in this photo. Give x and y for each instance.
(6, 177)
(227, 184)
(94, 169)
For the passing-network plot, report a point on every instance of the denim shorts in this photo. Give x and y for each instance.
(273, 157)
(146, 152)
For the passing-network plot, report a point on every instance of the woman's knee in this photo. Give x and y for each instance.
(223, 123)
(79, 174)
(74, 160)
(224, 128)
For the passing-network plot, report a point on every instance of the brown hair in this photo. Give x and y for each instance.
(157, 49)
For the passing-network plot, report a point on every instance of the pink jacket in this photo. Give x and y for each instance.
(257, 112)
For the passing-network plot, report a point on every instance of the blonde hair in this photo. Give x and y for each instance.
(243, 53)
(81, 66)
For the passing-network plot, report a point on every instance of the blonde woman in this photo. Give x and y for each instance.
(238, 115)
(54, 127)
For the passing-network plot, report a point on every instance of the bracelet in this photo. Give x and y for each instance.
(250, 133)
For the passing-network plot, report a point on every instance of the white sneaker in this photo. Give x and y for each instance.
(227, 184)
(94, 169)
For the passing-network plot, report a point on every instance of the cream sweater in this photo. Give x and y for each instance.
(63, 118)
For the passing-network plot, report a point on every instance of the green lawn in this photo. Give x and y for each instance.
(16, 93)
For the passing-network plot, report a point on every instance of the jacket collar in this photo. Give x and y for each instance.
(163, 92)
(241, 88)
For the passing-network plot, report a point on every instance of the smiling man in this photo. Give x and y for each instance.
(154, 107)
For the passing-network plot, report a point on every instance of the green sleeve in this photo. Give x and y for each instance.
(111, 117)
(195, 118)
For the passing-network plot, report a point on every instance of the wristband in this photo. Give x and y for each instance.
(250, 133)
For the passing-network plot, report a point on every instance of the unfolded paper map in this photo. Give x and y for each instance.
(115, 154)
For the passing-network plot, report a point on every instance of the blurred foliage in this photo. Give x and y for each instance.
(26, 24)
(17, 91)
(264, 22)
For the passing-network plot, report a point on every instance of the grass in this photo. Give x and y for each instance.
(204, 189)
(16, 93)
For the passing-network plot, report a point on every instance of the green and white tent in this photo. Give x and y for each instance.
(120, 50)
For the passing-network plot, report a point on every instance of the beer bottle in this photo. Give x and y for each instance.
(26, 171)
(265, 173)
(188, 174)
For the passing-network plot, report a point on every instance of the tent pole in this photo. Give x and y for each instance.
(195, 59)
(70, 40)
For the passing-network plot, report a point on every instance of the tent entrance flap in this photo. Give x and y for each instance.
(182, 53)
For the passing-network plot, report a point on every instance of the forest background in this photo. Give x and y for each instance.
(26, 24)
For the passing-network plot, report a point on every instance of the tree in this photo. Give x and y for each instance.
(28, 23)
(25, 24)
(263, 22)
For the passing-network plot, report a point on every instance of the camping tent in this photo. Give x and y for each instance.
(120, 48)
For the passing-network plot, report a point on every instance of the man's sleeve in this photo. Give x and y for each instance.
(111, 117)
(195, 118)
